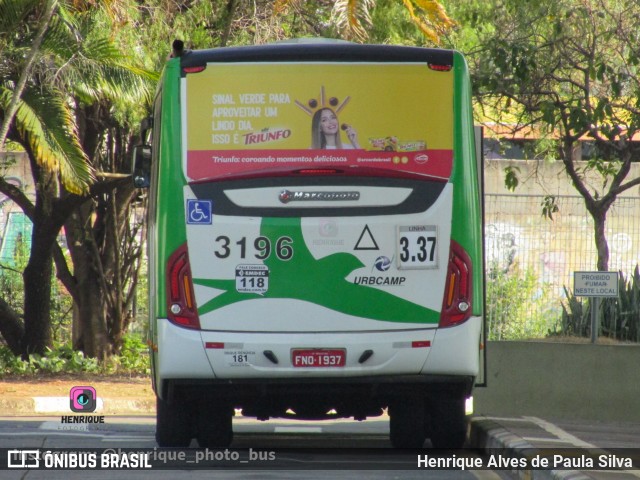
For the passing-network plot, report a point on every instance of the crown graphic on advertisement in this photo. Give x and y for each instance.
(315, 104)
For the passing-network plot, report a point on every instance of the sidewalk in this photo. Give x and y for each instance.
(42, 395)
(60, 405)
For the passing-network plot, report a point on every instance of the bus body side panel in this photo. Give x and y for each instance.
(166, 223)
(467, 217)
(466, 172)
(171, 232)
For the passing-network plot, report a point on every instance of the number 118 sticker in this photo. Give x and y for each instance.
(417, 246)
(252, 279)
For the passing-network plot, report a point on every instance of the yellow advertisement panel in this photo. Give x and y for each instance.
(242, 117)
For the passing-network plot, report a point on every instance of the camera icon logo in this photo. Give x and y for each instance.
(82, 399)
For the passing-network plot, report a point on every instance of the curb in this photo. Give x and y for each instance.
(493, 439)
(13, 407)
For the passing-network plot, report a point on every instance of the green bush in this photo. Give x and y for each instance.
(133, 357)
(133, 360)
(576, 317)
(518, 304)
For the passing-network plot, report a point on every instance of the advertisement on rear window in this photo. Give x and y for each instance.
(242, 118)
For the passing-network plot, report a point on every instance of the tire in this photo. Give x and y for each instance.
(173, 424)
(406, 423)
(448, 422)
(215, 428)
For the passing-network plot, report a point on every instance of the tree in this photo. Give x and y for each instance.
(568, 69)
(220, 23)
(35, 47)
(102, 235)
(53, 153)
(77, 69)
(353, 18)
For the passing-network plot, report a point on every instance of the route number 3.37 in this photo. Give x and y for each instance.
(418, 246)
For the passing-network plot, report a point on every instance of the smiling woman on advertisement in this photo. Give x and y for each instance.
(325, 127)
(325, 131)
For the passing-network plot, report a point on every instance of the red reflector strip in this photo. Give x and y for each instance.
(421, 344)
(440, 68)
(182, 320)
(193, 69)
(214, 345)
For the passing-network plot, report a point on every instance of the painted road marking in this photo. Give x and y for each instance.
(298, 430)
(560, 433)
(566, 437)
(130, 438)
(485, 474)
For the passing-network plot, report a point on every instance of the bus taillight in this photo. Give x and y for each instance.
(181, 306)
(456, 305)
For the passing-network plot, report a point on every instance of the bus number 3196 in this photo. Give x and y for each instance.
(261, 246)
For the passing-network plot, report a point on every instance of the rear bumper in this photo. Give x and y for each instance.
(183, 362)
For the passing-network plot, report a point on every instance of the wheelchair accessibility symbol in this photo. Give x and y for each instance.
(198, 212)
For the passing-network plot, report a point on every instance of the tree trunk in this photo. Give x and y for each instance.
(89, 326)
(11, 328)
(600, 236)
(106, 264)
(229, 13)
(38, 272)
(122, 260)
(95, 340)
(37, 289)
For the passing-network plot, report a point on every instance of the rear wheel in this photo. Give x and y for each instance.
(215, 429)
(173, 424)
(448, 422)
(406, 423)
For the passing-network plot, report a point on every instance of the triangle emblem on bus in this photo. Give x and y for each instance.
(366, 240)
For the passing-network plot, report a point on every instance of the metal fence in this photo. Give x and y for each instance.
(531, 259)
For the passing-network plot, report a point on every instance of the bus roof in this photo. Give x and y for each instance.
(318, 52)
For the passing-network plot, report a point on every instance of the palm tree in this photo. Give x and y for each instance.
(76, 66)
(26, 108)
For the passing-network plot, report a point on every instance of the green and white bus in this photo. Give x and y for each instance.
(315, 247)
